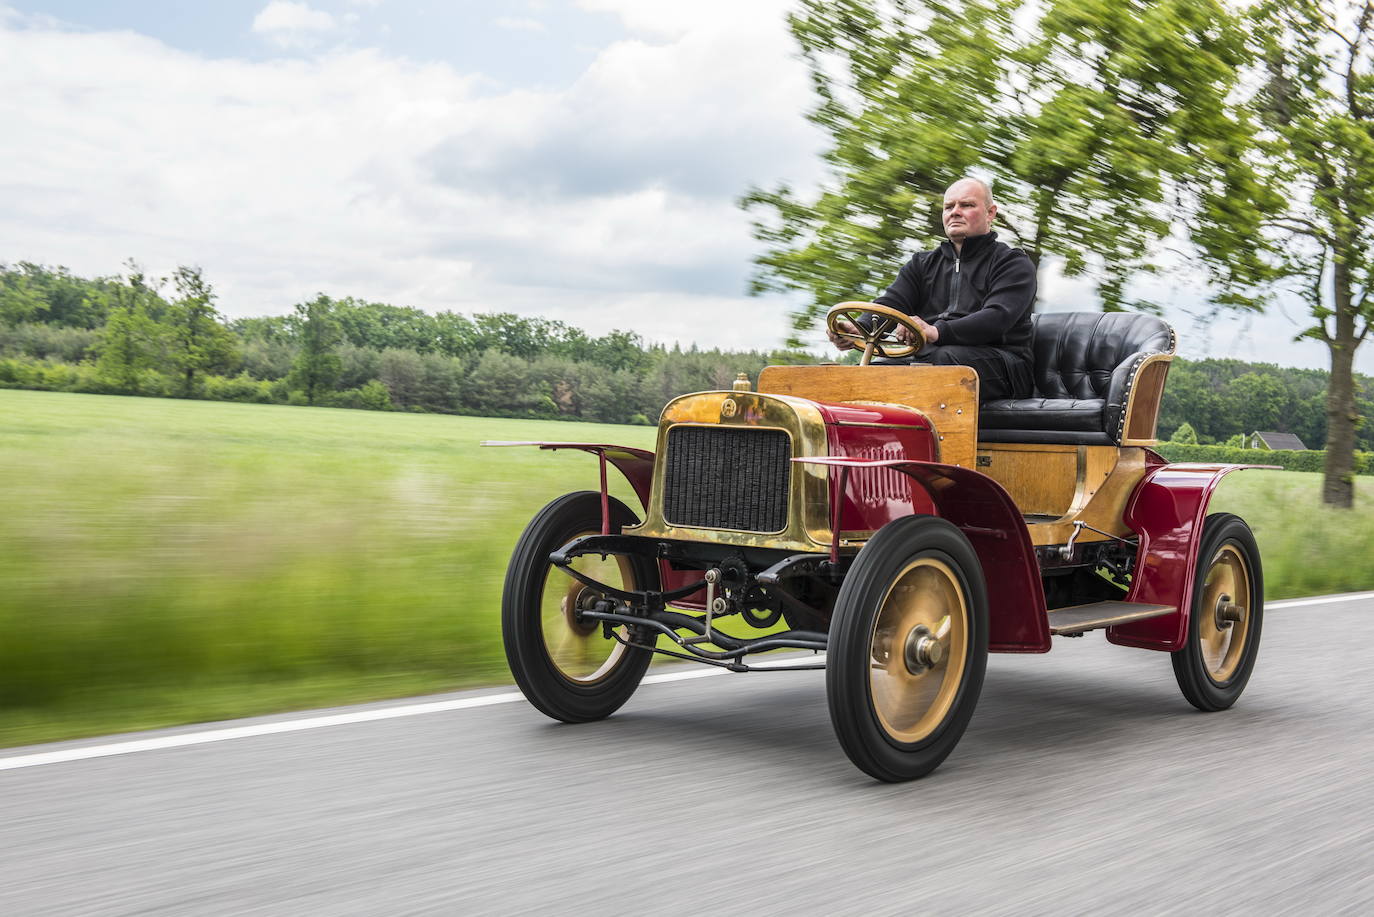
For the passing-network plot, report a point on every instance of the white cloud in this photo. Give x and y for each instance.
(606, 204)
(520, 24)
(292, 24)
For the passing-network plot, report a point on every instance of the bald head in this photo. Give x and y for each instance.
(968, 210)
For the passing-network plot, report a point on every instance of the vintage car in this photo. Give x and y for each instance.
(880, 515)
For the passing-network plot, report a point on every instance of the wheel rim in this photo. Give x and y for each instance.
(918, 650)
(1224, 613)
(577, 648)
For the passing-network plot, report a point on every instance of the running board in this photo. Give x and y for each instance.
(1071, 622)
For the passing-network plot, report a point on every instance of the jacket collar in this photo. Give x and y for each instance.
(973, 246)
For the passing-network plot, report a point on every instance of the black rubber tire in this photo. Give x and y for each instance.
(1224, 536)
(539, 677)
(890, 553)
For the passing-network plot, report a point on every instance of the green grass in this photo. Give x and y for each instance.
(1308, 548)
(179, 561)
(167, 561)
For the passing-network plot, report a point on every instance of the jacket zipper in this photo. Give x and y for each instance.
(954, 290)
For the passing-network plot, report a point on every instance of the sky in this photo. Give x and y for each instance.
(570, 159)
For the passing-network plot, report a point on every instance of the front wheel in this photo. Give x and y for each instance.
(565, 664)
(1224, 621)
(908, 648)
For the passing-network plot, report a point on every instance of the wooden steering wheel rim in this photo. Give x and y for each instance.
(880, 340)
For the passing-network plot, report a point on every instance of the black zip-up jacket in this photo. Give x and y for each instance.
(980, 296)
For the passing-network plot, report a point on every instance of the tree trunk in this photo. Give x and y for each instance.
(1338, 486)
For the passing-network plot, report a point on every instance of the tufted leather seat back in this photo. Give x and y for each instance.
(1077, 352)
(1085, 365)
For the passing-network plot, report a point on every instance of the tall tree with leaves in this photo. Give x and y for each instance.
(1092, 125)
(1315, 103)
(317, 367)
(131, 341)
(197, 340)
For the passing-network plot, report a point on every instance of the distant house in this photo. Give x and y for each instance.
(1273, 441)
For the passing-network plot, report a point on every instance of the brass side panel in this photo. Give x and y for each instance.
(948, 395)
(808, 525)
(1040, 481)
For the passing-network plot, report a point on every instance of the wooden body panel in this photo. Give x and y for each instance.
(1067, 484)
(948, 395)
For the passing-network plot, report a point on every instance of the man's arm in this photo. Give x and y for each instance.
(1011, 293)
(908, 292)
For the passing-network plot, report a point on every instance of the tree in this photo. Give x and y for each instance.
(1093, 127)
(197, 340)
(131, 343)
(1315, 102)
(317, 366)
(127, 348)
(1185, 434)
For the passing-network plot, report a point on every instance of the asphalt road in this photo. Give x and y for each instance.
(1085, 783)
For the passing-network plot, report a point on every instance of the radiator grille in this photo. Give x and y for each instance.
(727, 478)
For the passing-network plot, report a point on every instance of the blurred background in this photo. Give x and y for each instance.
(503, 220)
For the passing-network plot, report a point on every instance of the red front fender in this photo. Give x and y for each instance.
(986, 514)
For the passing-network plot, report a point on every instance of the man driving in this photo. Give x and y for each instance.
(971, 297)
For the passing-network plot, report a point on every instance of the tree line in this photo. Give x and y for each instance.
(129, 334)
(136, 335)
(1220, 401)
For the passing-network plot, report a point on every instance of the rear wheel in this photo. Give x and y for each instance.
(1227, 613)
(565, 664)
(908, 648)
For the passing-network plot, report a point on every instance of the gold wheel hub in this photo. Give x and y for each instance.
(918, 650)
(584, 599)
(1224, 624)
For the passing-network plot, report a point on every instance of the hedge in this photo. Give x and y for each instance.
(1291, 460)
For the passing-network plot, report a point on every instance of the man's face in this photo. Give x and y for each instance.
(967, 212)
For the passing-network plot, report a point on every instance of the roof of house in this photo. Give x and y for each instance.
(1280, 440)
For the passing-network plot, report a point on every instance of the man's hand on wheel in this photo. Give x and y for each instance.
(848, 327)
(931, 333)
(901, 333)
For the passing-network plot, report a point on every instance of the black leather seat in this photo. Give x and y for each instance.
(1084, 365)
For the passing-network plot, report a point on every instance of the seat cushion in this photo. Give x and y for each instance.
(1066, 414)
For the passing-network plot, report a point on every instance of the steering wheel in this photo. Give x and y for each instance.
(882, 337)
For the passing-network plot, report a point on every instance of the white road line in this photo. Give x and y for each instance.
(1324, 600)
(181, 740)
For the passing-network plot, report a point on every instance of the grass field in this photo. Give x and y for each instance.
(178, 561)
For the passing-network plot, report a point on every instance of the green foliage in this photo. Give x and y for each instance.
(1291, 460)
(1222, 398)
(318, 331)
(48, 342)
(197, 342)
(243, 388)
(374, 397)
(130, 343)
(1094, 117)
(52, 296)
(1305, 219)
(1185, 435)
